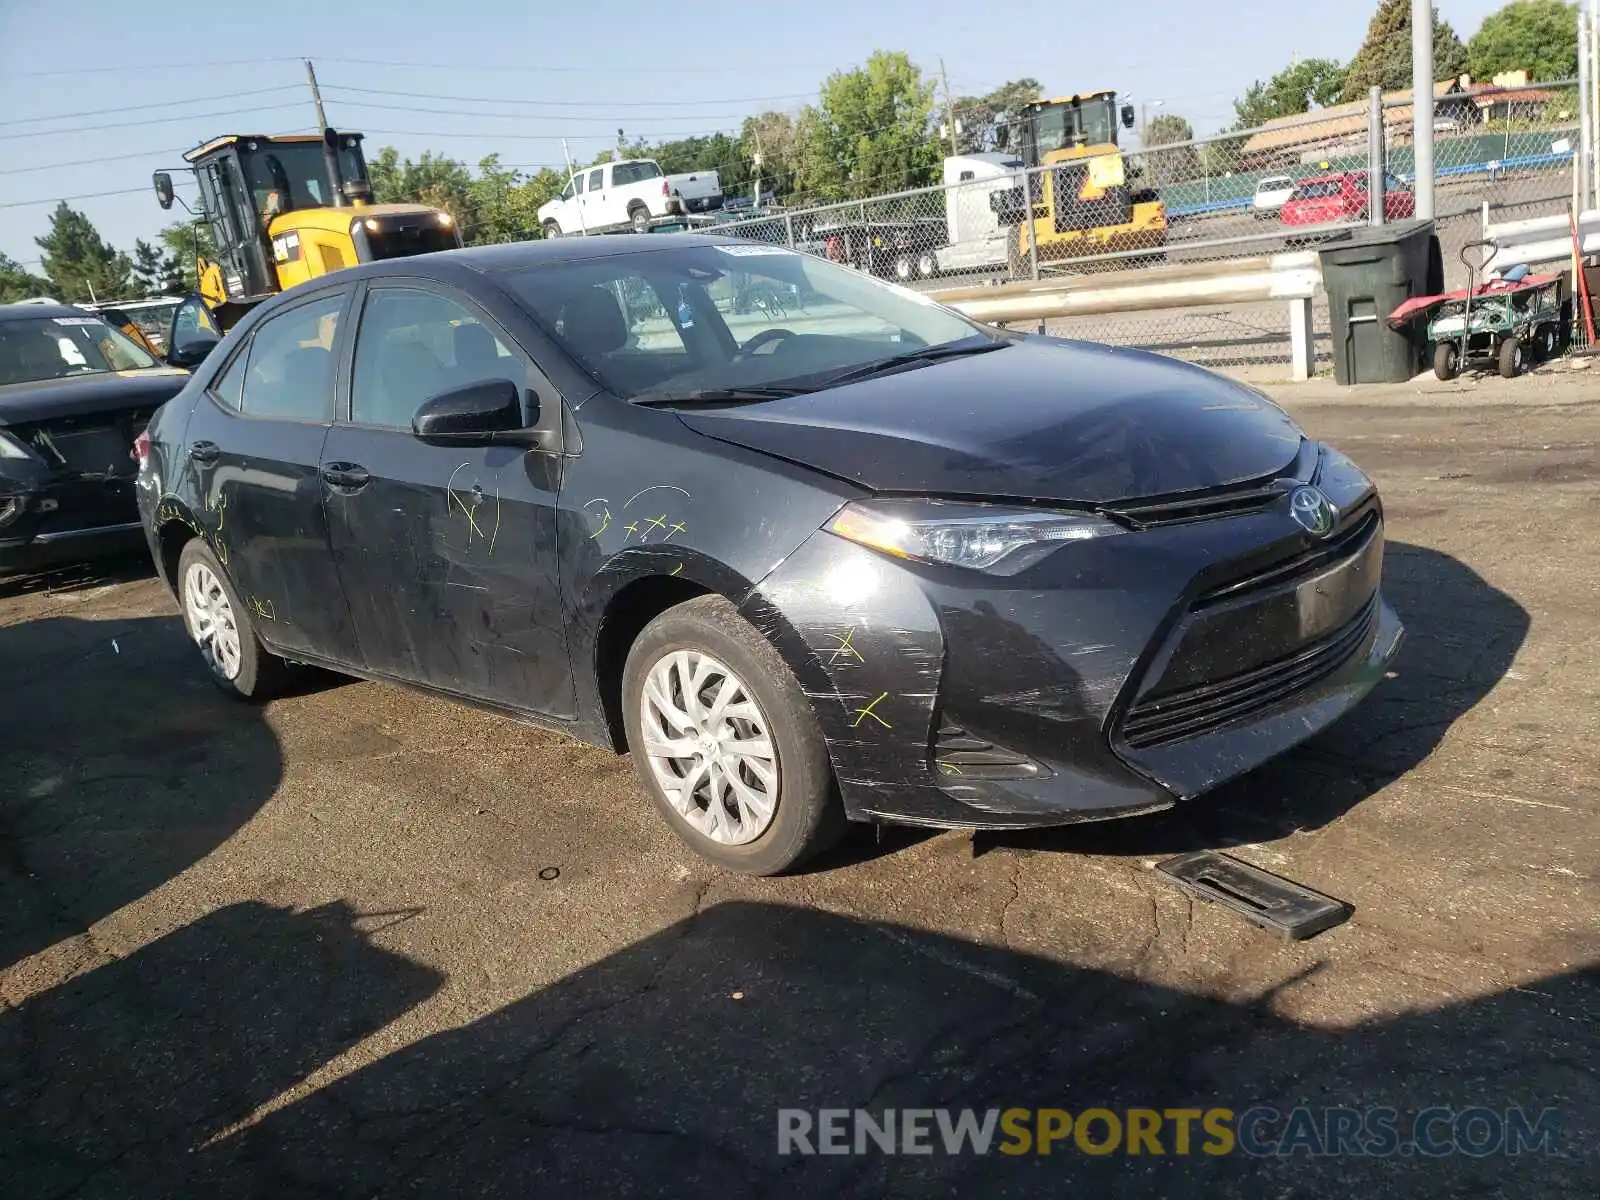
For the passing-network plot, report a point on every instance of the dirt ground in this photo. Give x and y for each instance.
(362, 942)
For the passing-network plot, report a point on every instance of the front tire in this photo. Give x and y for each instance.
(725, 741)
(1511, 357)
(1446, 361)
(221, 627)
(552, 230)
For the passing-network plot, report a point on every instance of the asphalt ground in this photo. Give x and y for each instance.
(361, 942)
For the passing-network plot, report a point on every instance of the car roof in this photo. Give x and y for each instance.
(33, 312)
(517, 256)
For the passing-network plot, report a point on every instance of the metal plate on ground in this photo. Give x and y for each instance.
(1269, 900)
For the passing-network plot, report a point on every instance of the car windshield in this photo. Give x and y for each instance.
(709, 318)
(38, 348)
(1313, 191)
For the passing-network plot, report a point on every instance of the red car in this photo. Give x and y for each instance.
(1343, 197)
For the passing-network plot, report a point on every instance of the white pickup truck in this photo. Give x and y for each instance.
(627, 195)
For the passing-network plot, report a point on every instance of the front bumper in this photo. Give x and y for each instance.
(1115, 677)
(66, 520)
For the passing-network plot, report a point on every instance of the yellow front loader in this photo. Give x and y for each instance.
(282, 210)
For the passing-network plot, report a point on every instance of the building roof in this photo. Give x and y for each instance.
(1336, 121)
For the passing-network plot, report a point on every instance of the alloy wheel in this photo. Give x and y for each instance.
(709, 747)
(209, 615)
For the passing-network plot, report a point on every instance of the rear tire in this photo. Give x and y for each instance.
(221, 626)
(639, 218)
(1546, 342)
(1446, 361)
(903, 268)
(1511, 357)
(927, 265)
(706, 643)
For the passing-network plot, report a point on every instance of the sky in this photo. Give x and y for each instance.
(94, 96)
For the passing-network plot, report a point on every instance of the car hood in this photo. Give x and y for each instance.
(1042, 420)
(77, 395)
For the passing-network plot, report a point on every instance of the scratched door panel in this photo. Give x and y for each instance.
(448, 557)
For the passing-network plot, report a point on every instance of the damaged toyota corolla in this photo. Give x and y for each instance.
(813, 548)
(74, 393)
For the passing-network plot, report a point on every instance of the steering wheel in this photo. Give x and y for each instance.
(763, 338)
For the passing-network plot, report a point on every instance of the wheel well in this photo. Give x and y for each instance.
(630, 610)
(636, 205)
(173, 537)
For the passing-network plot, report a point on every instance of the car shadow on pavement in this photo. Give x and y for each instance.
(77, 576)
(123, 766)
(660, 1070)
(1462, 635)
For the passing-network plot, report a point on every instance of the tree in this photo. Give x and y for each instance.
(189, 240)
(1536, 36)
(156, 273)
(1385, 57)
(1168, 166)
(433, 180)
(17, 284)
(871, 131)
(1293, 90)
(79, 263)
(504, 204)
(772, 136)
(979, 117)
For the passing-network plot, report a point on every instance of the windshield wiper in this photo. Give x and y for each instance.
(926, 354)
(730, 395)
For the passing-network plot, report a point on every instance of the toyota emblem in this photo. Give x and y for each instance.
(1312, 511)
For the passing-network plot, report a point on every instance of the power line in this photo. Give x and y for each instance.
(230, 112)
(129, 68)
(89, 162)
(587, 104)
(65, 199)
(509, 116)
(743, 68)
(95, 112)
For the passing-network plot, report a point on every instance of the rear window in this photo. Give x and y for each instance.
(634, 172)
(1274, 183)
(37, 348)
(1315, 191)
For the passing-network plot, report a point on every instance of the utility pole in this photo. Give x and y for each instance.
(316, 96)
(755, 187)
(1422, 104)
(949, 107)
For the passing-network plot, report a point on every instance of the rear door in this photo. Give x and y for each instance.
(447, 552)
(255, 443)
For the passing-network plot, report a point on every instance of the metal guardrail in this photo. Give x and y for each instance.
(1292, 277)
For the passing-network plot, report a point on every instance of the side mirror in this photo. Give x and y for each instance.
(474, 413)
(163, 183)
(1127, 116)
(194, 334)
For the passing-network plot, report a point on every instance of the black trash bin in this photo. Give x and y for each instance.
(1367, 275)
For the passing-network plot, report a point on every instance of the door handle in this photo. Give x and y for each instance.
(204, 452)
(348, 477)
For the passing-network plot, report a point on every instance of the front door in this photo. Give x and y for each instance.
(599, 209)
(447, 552)
(255, 440)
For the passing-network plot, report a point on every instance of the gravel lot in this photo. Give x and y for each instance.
(362, 942)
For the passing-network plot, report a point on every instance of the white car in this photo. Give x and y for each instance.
(626, 195)
(1271, 195)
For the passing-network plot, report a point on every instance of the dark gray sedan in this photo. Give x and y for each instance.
(844, 555)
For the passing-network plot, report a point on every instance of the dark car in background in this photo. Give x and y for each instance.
(855, 558)
(74, 393)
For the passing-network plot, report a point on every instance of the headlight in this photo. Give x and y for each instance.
(11, 448)
(979, 536)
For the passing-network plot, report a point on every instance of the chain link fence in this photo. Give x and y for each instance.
(1293, 184)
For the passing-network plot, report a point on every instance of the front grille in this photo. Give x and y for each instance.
(1358, 528)
(958, 753)
(1193, 711)
(1197, 506)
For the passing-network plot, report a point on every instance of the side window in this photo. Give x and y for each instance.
(575, 187)
(595, 178)
(228, 387)
(411, 346)
(290, 374)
